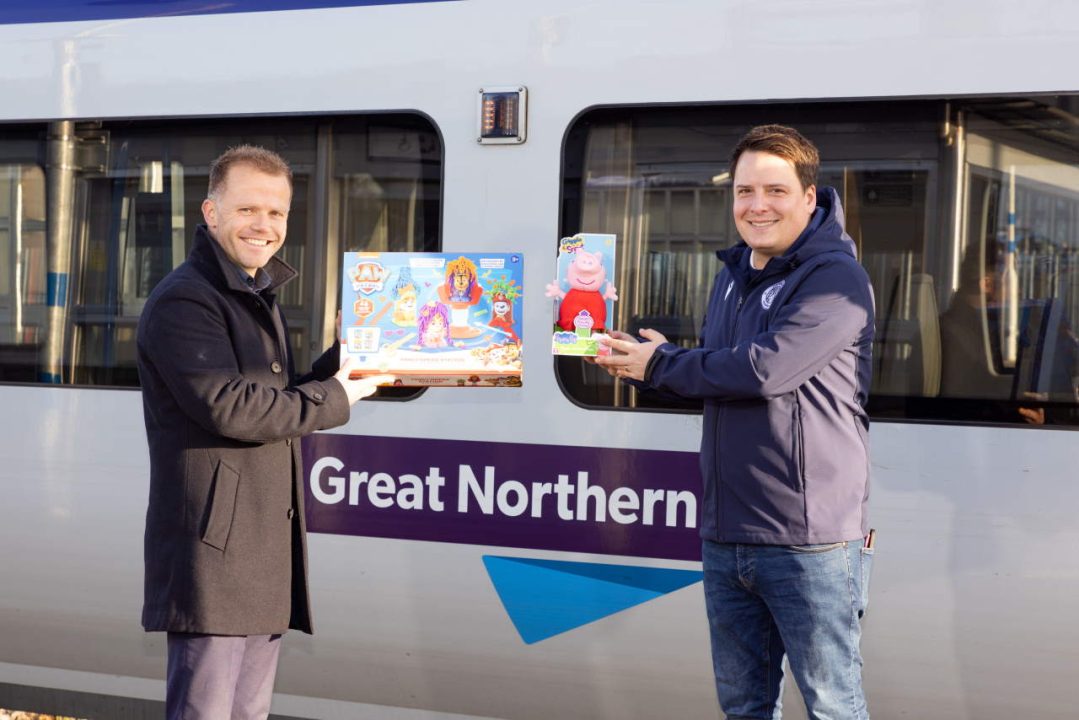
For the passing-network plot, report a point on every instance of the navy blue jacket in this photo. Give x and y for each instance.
(783, 368)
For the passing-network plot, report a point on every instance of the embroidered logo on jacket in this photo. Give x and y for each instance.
(769, 295)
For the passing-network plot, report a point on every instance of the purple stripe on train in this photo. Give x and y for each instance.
(80, 10)
(545, 497)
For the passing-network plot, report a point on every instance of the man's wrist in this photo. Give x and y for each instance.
(661, 352)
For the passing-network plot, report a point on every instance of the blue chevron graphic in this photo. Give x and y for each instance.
(544, 598)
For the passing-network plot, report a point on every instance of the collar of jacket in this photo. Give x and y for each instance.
(825, 233)
(207, 253)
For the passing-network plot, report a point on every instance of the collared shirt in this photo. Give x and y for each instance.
(259, 282)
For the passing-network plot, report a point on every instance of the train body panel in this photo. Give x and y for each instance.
(976, 578)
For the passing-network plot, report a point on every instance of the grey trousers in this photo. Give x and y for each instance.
(219, 677)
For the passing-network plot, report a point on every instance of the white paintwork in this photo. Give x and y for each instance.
(977, 581)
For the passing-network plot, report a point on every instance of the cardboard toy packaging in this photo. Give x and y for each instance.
(585, 294)
(434, 319)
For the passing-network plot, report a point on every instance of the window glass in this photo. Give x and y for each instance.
(132, 193)
(1008, 342)
(385, 181)
(385, 193)
(22, 270)
(964, 214)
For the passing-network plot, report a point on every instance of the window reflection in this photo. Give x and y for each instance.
(927, 187)
(22, 270)
(137, 204)
(1008, 332)
(136, 199)
(385, 195)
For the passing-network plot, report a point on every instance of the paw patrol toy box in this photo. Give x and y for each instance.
(434, 319)
(585, 294)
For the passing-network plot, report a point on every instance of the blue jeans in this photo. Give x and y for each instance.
(805, 602)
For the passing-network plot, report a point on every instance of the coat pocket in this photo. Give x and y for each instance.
(222, 506)
(866, 570)
(798, 455)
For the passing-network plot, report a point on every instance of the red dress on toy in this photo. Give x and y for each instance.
(577, 300)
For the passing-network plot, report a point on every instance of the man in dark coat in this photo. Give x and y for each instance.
(783, 369)
(225, 550)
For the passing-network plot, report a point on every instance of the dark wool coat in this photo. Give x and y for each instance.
(225, 549)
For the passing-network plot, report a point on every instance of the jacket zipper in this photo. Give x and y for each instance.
(799, 440)
(737, 318)
(722, 413)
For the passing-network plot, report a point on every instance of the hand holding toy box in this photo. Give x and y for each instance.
(434, 319)
(585, 294)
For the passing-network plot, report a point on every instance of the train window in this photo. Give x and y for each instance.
(965, 214)
(126, 196)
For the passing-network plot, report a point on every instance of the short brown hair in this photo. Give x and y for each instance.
(261, 159)
(784, 142)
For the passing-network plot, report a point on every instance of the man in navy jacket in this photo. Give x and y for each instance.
(783, 369)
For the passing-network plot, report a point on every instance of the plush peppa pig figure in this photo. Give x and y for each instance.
(589, 291)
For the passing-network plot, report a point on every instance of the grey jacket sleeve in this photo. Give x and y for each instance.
(190, 348)
(827, 312)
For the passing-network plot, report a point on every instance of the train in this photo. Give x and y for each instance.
(546, 563)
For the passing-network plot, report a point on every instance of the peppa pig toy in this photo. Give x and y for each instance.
(585, 295)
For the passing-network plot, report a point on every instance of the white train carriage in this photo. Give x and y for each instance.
(950, 129)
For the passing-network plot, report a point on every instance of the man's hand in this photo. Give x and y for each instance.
(1034, 415)
(631, 357)
(361, 387)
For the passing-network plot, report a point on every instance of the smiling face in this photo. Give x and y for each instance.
(436, 330)
(771, 208)
(248, 216)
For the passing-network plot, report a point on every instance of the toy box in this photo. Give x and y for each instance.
(434, 319)
(584, 293)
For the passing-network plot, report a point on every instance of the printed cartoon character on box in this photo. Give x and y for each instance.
(461, 290)
(433, 324)
(404, 299)
(509, 355)
(589, 291)
(503, 292)
(502, 355)
(502, 315)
